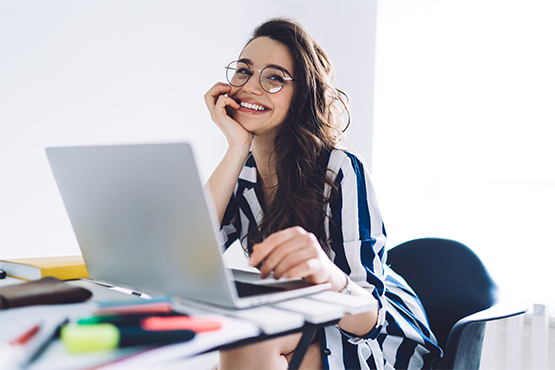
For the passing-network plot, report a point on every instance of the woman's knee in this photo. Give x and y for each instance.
(312, 358)
(272, 353)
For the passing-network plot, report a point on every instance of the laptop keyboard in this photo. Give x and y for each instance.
(249, 290)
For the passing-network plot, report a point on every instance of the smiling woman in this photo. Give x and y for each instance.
(301, 207)
(262, 109)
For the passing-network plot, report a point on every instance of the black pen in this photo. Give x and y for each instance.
(43, 339)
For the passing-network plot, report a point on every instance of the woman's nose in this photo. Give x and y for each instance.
(253, 84)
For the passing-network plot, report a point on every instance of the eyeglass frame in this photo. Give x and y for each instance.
(285, 77)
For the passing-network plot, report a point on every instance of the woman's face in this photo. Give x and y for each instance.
(262, 112)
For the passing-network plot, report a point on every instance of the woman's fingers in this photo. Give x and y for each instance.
(290, 253)
(262, 250)
(285, 254)
(299, 263)
(211, 97)
(218, 104)
(310, 268)
(221, 103)
(216, 100)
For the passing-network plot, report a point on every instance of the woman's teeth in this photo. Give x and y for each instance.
(253, 106)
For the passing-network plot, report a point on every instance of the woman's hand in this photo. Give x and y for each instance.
(218, 102)
(224, 178)
(296, 253)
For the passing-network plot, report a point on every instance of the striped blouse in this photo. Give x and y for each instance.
(356, 243)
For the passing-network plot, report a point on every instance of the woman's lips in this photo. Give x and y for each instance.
(252, 107)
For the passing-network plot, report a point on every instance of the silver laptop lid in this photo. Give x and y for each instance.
(142, 220)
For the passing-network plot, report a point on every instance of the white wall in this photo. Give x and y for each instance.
(103, 72)
(465, 128)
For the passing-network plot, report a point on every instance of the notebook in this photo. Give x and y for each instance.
(143, 221)
(34, 268)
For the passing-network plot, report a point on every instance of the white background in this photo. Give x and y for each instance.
(460, 142)
(103, 72)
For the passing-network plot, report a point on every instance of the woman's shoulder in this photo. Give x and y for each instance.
(344, 159)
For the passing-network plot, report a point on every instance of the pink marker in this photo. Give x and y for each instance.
(196, 324)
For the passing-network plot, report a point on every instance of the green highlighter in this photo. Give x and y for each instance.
(103, 337)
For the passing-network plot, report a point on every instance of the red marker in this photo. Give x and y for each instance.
(25, 337)
(12, 353)
(196, 324)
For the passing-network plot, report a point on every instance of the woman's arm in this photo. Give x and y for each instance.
(223, 179)
(363, 323)
(359, 240)
(294, 253)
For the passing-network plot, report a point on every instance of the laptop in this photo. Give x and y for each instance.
(143, 221)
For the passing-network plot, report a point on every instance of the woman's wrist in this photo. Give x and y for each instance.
(239, 148)
(339, 280)
(348, 286)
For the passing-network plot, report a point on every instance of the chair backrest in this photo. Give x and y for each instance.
(449, 279)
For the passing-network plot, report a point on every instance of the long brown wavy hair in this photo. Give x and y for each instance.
(312, 129)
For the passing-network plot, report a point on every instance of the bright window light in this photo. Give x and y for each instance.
(464, 131)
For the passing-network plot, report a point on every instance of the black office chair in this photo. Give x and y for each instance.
(458, 294)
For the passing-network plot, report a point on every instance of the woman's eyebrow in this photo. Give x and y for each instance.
(245, 60)
(280, 68)
(250, 63)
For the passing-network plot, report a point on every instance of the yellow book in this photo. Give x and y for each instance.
(64, 268)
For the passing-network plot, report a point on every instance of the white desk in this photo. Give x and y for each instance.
(240, 327)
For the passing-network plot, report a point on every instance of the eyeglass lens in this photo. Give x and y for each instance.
(271, 79)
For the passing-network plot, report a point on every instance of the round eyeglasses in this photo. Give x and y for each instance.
(272, 79)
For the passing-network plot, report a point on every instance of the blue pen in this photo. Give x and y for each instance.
(42, 340)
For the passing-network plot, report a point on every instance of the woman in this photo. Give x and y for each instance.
(304, 208)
